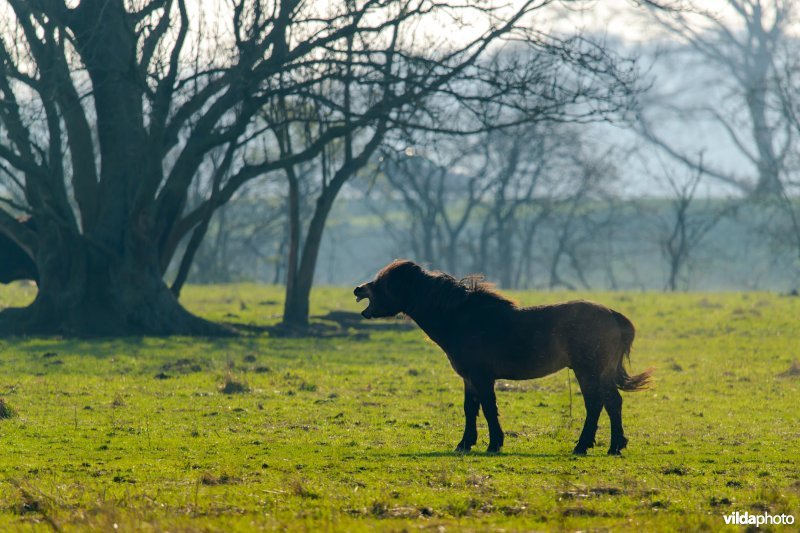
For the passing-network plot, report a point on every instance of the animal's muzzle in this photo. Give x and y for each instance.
(362, 292)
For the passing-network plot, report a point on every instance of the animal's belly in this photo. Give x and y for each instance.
(527, 374)
(528, 368)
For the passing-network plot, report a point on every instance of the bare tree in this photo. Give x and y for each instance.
(741, 49)
(245, 241)
(786, 230)
(380, 87)
(583, 211)
(438, 195)
(497, 197)
(686, 224)
(540, 181)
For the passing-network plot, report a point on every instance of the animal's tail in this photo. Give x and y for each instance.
(622, 380)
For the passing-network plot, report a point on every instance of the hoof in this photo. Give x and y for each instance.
(466, 444)
(493, 450)
(581, 447)
(617, 447)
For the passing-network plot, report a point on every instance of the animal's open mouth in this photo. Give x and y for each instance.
(362, 293)
(367, 312)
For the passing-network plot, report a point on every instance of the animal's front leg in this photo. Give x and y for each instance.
(488, 400)
(471, 407)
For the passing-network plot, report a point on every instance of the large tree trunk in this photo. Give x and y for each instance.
(299, 281)
(298, 288)
(85, 290)
(769, 164)
(296, 304)
(15, 262)
(105, 278)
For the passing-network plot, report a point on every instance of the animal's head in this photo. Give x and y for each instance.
(388, 293)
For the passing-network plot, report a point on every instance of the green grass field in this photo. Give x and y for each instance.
(355, 432)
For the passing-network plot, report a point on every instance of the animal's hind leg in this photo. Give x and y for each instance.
(613, 403)
(593, 400)
(594, 405)
(485, 389)
(471, 407)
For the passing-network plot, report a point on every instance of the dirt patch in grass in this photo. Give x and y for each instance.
(793, 371)
(719, 501)
(579, 511)
(27, 504)
(6, 411)
(705, 303)
(184, 365)
(587, 492)
(233, 386)
(300, 488)
(211, 480)
(407, 512)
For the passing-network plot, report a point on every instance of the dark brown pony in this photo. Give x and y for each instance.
(488, 337)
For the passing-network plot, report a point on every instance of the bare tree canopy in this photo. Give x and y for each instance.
(510, 204)
(111, 110)
(746, 46)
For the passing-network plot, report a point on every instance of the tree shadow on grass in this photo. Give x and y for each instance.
(155, 348)
(336, 324)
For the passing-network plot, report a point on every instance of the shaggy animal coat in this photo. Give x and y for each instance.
(488, 337)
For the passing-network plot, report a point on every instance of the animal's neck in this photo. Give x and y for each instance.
(431, 319)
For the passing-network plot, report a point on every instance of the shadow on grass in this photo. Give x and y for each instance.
(155, 348)
(433, 454)
(337, 324)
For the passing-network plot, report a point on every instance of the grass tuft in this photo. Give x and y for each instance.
(232, 386)
(300, 488)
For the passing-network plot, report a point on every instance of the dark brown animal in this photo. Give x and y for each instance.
(488, 337)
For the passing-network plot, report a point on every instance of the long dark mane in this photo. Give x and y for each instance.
(443, 291)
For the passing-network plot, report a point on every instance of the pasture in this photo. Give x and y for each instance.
(354, 429)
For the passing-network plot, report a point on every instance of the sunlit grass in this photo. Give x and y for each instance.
(355, 432)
